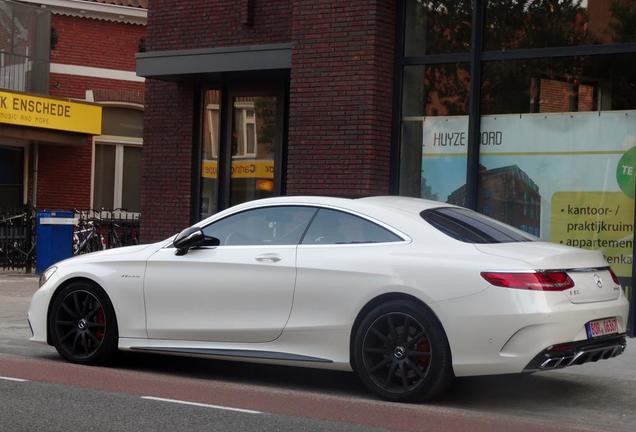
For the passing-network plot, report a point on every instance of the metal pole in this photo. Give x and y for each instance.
(474, 111)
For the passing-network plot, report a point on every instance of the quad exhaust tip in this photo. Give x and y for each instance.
(582, 356)
(564, 355)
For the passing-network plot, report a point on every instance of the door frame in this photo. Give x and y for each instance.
(229, 86)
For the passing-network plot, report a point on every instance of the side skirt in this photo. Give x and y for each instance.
(248, 354)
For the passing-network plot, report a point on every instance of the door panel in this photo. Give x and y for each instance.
(227, 293)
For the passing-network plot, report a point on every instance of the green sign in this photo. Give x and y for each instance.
(626, 172)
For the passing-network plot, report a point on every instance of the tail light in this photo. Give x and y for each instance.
(614, 277)
(540, 281)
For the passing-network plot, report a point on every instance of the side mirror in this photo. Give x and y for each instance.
(192, 237)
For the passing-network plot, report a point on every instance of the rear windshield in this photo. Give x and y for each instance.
(471, 227)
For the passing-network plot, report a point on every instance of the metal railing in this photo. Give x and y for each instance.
(104, 229)
(93, 230)
(22, 73)
(17, 246)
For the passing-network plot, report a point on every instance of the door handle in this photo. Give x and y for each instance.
(271, 258)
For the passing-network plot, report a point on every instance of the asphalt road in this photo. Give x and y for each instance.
(60, 396)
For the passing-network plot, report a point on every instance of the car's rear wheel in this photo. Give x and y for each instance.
(401, 352)
(83, 325)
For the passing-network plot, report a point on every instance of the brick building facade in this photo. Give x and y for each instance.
(92, 48)
(337, 87)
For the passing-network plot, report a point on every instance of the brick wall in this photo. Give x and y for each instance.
(90, 42)
(175, 24)
(64, 176)
(166, 161)
(341, 97)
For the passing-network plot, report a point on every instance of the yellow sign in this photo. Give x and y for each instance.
(25, 110)
(596, 220)
(244, 168)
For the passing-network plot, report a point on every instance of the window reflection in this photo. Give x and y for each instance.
(437, 26)
(512, 24)
(255, 137)
(210, 152)
(566, 84)
(434, 130)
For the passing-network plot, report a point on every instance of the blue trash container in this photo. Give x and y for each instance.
(53, 238)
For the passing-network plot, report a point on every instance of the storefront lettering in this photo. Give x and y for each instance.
(458, 139)
(492, 138)
(449, 139)
(41, 107)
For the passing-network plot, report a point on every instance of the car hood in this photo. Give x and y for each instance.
(545, 256)
(126, 252)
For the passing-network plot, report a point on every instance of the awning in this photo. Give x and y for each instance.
(41, 135)
(174, 64)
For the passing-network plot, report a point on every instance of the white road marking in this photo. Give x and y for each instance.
(201, 405)
(13, 379)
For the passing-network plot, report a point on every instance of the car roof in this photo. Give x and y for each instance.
(401, 213)
(393, 202)
(376, 206)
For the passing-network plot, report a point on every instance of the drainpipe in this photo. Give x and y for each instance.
(35, 175)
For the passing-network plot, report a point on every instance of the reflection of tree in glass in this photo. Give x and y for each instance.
(513, 86)
(447, 86)
(619, 69)
(266, 124)
(623, 23)
(442, 26)
(512, 24)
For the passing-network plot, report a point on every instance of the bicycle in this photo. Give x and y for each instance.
(86, 238)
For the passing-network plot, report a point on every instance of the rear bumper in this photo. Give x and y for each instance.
(577, 353)
(501, 331)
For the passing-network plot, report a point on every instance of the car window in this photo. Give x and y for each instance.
(280, 225)
(472, 227)
(336, 227)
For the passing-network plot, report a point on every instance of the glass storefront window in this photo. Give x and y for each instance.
(558, 151)
(117, 177)
(131, 179)
(434, 130)
(104, 181)
(117, 169)
(242, 164)
(210, 152)
(437, 26)
(256, 134)
(512, 24)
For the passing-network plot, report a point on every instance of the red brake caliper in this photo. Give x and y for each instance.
(423, 346)
(100, 319)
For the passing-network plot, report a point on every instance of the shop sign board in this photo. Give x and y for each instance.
(41, 112)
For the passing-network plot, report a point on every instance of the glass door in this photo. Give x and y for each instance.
(255, 143)
(242, 134)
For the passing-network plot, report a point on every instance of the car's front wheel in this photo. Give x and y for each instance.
(83, 324)
(401, 352)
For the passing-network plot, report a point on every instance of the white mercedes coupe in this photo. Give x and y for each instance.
(407, 293)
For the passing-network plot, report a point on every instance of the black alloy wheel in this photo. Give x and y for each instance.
(82, 324)
(401, 352)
